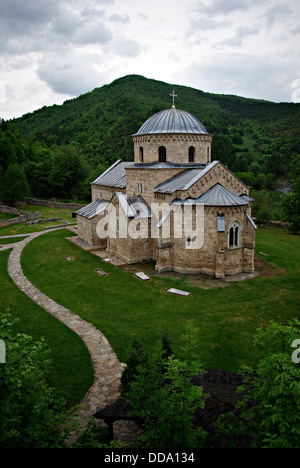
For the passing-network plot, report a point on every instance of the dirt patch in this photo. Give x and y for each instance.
(202, 281)
(266, 270)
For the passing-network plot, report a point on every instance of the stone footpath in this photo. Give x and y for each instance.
(107, 368)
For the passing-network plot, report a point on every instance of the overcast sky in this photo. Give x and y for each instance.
(52, 50)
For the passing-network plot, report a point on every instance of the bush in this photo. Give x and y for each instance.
(163, 396)
(269, 413)
(32, 414)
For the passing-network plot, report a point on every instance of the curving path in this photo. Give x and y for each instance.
(107, 368)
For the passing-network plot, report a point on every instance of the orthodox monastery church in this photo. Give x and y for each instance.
(172, 204)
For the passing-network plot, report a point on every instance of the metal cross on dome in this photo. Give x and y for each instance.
(173, 95)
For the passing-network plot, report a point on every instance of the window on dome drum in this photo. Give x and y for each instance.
(191, 154)
(162, 154)
(234, 235)
(141, 154)
(140, 188)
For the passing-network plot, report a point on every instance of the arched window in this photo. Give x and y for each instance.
(235, 235)
(191, 154)
(162, 154)
(141, 154)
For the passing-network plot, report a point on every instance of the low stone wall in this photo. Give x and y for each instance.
(50, 204)
(278, 224)
(10, 210)
(22, 216)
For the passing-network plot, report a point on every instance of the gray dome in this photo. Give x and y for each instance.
(172, 121)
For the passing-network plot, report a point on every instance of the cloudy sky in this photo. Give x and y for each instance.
(52, 50)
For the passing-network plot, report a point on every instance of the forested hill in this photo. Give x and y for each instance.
(57, 151)
(100, 123)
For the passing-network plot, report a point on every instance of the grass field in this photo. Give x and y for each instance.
(6, 216)
(124, 307)
(72, 369)
(11, 240)
(65, 215)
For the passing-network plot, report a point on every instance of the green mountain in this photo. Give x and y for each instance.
(100, 123)
(60, 149)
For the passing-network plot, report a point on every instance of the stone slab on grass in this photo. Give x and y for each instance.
(178, 291)
(142, 276)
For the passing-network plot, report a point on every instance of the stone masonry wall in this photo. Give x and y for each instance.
(177, 146)
(149, 178)
(104, 193)
(52, 204)
(22, 216)
(215, 257)
(217, 174)
(87, 231)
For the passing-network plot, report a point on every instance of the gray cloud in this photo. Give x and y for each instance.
(127, 48)
(241, 33)
(217, 7)
(67, 22)
(246, 75)
(29, 11)
(92, 34)
(206, 24)
(73, 75)
(278, 13)
(120, 18)
(80, 29)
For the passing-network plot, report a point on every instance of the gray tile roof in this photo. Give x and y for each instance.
(184, 180)
(172, 121)
(134, 207)
(216, 196)
(221, 196)
(115, 175)
(93, 209)
(168, 165)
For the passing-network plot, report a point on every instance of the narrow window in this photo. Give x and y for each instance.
(141, 154)
(208, 154)
(221, 222)
(188, 241)
(191, 154)
(117, 224)
(162, 154)
(140, 188)
(231, 237)
(234, 234)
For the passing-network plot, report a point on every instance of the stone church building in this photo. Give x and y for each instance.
(172, 204)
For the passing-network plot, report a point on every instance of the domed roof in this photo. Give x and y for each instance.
(172, 121)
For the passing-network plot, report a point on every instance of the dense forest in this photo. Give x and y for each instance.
(57, 151)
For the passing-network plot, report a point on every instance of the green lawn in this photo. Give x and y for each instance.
(122, 306)
(47, 212)
(7, 216)
(72, 369)
(11, 240)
